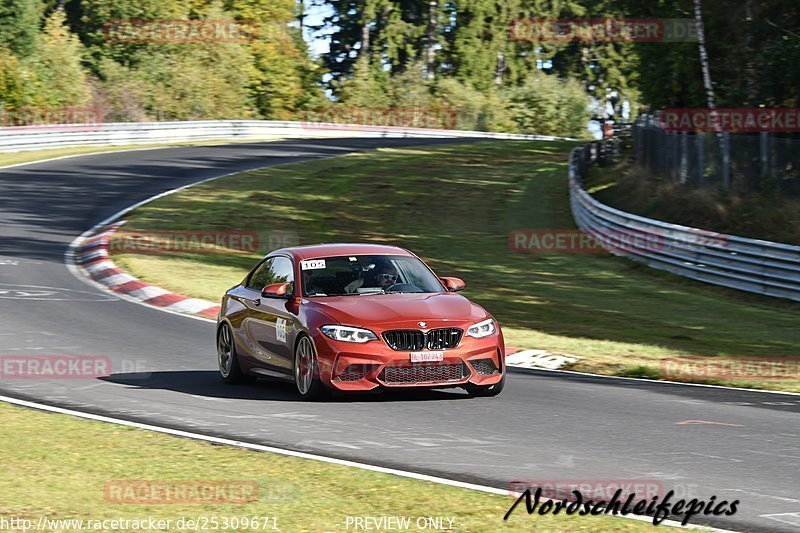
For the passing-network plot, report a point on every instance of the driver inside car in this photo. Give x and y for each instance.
(382, 277)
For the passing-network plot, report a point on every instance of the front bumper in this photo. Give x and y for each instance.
(362, 367)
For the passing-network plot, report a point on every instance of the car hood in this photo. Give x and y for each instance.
(401, 310)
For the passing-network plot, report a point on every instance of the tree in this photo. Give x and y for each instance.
(14, 83)
(61, 80)
(19, 25)
(546, 105)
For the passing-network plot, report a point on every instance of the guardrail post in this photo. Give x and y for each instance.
(684, 157)
(700, 139)
(674, 156)
(726, 160)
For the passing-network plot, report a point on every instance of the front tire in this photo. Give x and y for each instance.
(227, 359)
(306, 370)
(492, 390)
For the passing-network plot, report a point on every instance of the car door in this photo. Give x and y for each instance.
(270, 324)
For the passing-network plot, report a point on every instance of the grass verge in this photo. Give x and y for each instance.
(59, 467)
(455, 205)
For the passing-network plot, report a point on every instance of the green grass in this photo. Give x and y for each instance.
(57, 466)
(455, 205)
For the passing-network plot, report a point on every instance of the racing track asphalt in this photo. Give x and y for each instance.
(545, 426)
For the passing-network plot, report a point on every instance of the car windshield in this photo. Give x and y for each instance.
(367, 274)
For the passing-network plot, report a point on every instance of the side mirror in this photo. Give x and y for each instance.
(277, 290)
(454, 284)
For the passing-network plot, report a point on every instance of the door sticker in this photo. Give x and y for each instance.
(281, 329)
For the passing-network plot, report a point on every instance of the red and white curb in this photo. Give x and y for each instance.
(93, 261)
(525, 358)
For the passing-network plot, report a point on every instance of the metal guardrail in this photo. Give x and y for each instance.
(20, 138)
(752, 265)
(744, 162)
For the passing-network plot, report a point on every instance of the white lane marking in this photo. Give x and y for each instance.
(770, 496)
(100, 152)
(774, 454)
(731, 459)
(26, 294)
(293, 416)
(312, 457)
(706, 423)
(15, 291)
(661, 381)
(336, 444)
(209, 398)
(786, 518)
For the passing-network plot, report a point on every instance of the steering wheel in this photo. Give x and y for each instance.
(403, 287)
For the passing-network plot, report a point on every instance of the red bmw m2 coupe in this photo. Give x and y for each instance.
(356, 317)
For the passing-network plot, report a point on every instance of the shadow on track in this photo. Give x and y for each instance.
(207, 383)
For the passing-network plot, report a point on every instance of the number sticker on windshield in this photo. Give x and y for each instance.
(312, 264)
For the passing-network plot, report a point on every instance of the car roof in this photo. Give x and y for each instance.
(315, 251)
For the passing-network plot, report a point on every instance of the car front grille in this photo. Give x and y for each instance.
(413, 339)
(485, 367)
(424, 374)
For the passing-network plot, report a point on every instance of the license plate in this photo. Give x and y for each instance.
(425, 357)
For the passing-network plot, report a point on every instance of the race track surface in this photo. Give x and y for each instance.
(545, 426)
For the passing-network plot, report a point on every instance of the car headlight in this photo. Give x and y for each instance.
(348, 334)
(482, 329)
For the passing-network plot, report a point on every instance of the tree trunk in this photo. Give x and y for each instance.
(701, 45)
(364, 51)
(301, 14)
(430, 40)
(749, 53)
(724, 146)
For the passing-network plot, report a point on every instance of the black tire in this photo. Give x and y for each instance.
(306, 370)
(228, 360)
(492, 390)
